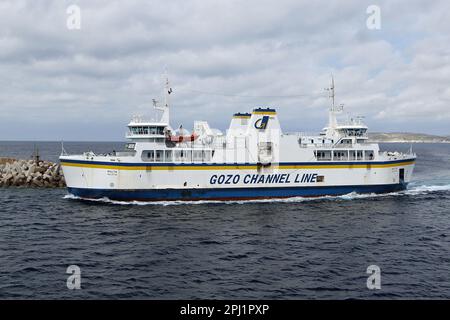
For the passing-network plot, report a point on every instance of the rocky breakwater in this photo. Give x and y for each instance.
(30, 173)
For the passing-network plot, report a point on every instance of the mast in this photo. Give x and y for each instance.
(167, 91)
(165, 108)
(332, 123)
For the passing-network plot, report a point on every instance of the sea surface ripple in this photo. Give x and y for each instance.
(277, 249)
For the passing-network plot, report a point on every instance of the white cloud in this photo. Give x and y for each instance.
(83, 84)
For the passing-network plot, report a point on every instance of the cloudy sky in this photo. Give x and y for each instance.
(222, 57)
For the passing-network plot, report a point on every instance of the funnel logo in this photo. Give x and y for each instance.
(262, 123)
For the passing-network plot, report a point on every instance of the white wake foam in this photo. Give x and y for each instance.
(196, 202)
(411, 191)
(422, 189)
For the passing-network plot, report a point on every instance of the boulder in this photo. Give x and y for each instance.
(29, 173)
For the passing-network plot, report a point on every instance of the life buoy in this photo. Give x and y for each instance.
(179, 138)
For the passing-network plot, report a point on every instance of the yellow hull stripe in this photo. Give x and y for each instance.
(237, 167)
(264, 112)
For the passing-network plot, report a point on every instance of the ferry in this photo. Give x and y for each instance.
(254, 159)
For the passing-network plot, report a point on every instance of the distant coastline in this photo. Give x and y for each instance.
(408, 137)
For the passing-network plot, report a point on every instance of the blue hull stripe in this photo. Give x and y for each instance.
(230, 193)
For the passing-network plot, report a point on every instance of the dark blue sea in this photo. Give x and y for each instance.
(285, 249)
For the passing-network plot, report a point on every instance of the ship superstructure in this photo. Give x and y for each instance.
(253, 160)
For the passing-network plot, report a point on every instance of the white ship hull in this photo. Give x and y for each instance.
(167, 181)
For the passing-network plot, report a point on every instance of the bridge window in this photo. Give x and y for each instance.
(145, 130)
(197, 155)
(187, 156)
(359, 155)
(353, 132)
(154, 155)
(352, 155)
(178, 154)
(368, 155)
(168, 155)
(159, 155)
(323, 155)
(206, 155)
(183, 155)
(156, 130)
(340, 155)
(148, 155)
